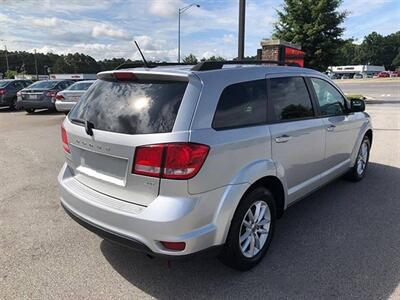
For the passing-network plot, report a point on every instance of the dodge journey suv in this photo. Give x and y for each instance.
(178, 160)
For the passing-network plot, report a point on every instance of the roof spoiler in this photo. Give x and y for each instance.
(149, 65)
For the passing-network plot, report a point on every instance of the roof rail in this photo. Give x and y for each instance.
(216, 65)
(150, 65)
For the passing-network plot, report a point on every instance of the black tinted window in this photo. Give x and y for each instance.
(131, 107)
(242, 104)
(330, 101)
(289, 99)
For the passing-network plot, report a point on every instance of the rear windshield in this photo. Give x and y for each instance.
(138, 107)
(3, 83)
(43, 84)
(80, 86)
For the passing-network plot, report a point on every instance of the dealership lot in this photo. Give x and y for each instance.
(341, 242)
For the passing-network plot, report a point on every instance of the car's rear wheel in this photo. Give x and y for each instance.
(357, 172)
(251, 230)
(30, 110)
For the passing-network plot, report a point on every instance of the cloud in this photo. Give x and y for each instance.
(361, 7)
(103, 30)
(165, 9)
(228, 38)
(45, 22)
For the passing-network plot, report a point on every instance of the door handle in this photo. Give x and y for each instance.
(330, 127)
(283, 138)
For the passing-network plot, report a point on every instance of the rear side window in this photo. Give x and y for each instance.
(289, 99)
(242, 104)
(138, 107)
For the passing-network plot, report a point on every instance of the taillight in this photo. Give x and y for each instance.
(19, 94)
(2, 91)
(124, 76)
(60, 97)
(64, 137)
(171, 160)
(51, 93)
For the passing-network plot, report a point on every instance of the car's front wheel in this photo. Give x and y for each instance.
(30, 110)
(251, 230)
(357, 172)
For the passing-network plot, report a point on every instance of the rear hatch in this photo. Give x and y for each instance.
(33, 94)
(124, 114)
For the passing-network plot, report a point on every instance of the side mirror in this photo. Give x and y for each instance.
(357, 105)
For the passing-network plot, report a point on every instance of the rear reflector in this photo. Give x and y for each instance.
(177, 246)
(124, 76)
(171, 160)
(64, 138)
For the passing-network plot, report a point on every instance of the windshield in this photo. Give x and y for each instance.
(80, 86)
(131, 107)
(3, 83)
(43, 85)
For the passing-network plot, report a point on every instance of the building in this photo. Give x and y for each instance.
(350, 71)
(281, 51)
(73, 76)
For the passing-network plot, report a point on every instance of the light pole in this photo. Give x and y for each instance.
(181, 11)
(242, 17)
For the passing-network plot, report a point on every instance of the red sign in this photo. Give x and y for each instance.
(294, 56)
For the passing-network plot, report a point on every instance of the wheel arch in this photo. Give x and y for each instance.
(275, 186)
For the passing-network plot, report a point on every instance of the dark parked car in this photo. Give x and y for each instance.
(41, 94)
(9, 89)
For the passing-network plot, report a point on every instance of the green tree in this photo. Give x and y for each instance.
(396, 61)
(215, 58)
(190, 59)
(315, 25)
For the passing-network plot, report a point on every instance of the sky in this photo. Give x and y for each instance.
(107, 28)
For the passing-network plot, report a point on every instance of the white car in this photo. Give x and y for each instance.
(67, 98)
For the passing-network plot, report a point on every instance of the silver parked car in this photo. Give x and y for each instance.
(175, 160)
(67, 98)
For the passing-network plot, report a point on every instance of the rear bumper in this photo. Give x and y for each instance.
(142, 228)
(133, 244)
(37, 104)
(64, 106)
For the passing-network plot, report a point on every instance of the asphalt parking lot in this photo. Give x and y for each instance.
(341, 242)
(379, 89)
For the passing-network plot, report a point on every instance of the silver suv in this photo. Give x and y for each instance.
(175, 160)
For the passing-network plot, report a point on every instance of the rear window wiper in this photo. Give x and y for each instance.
(79, 121)
(89, 126)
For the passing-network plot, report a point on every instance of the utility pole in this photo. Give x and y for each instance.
(242, 18)
(37, 76)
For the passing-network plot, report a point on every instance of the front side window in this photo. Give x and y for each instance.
(241, 104)
(330, 101)
(289, 99)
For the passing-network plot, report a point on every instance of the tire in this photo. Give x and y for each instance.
(30, 110)
(232, 253)
(357, 172)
